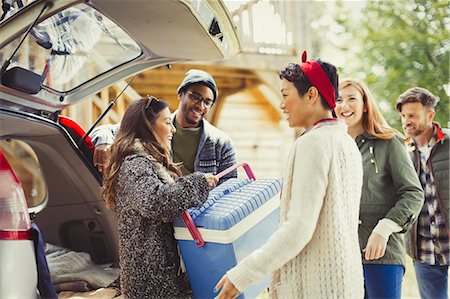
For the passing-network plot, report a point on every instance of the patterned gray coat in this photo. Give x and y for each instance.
(148, 200)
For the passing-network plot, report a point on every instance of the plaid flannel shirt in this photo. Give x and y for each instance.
(433, 240)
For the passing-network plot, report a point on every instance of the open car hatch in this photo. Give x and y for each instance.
(77, 48)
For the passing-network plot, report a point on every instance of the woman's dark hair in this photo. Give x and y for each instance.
(293, 73)
(138, 123)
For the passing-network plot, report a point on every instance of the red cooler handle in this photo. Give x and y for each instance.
(193, 230)
(246, 167)
(186, 217)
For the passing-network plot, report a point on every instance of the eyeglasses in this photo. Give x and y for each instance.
(196, 98)
(150, 100)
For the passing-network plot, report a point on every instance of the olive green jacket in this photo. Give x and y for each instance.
(391, 189)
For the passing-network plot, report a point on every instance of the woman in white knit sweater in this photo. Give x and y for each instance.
(315, 252)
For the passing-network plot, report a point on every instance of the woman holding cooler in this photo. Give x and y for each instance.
(144, 187)
(315, 251)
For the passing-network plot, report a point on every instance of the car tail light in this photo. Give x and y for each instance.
(15, 221)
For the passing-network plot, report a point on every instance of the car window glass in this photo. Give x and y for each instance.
(25, 164)
(11, 7)
(72, 47)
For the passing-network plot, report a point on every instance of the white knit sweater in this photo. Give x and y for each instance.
(315, 252)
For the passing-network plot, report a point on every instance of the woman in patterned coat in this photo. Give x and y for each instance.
(144, 187)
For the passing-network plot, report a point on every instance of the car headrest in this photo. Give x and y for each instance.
(22, 79)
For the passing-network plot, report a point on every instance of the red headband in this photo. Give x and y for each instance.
(319, 79)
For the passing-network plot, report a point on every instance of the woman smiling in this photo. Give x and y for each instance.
(391, 195)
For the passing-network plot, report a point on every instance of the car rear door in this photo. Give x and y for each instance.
(87, 47)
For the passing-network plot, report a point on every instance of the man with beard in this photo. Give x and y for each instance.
(428, 239)
(197, 144)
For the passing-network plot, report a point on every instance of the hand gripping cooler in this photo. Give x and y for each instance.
(238, 217)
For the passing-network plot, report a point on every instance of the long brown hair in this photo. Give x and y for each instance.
(138, 123)
(373, 121)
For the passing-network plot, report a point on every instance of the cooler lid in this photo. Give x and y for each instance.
(231, 202)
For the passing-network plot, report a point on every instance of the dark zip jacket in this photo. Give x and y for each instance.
(438, 162)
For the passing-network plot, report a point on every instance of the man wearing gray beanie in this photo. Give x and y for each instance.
(197, 144)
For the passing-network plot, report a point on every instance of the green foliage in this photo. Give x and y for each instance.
(406, 44)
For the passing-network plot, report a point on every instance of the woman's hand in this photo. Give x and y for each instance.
(228, 290)
(376, 247)
(212, 180)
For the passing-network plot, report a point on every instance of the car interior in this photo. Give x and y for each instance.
(74, 215)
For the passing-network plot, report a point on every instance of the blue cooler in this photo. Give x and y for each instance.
(238, 217)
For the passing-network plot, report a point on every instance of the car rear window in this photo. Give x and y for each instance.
(25, 164)
(73, 47)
